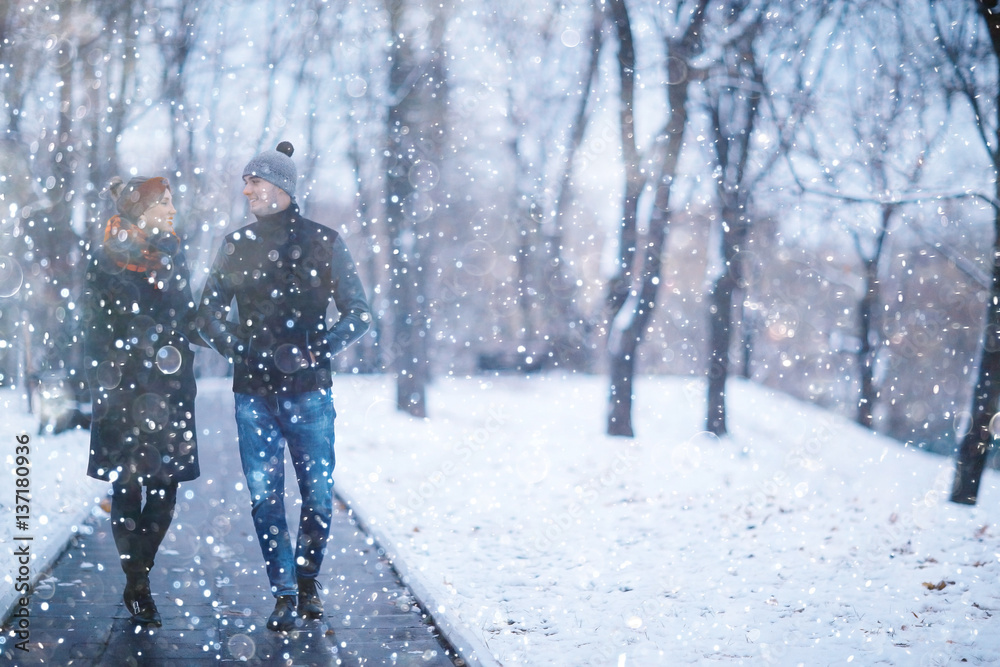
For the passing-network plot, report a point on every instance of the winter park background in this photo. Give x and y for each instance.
(687, 311)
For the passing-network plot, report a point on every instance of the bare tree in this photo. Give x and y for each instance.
(632, 292)
(548, 109)
(111, 93)
(958, 57)
(883, 153)
(571, 329)
(177, 32)
(734, 93)
(417, 93)
(892, 139)
(363, 83)
(620, 283)
(54, 99)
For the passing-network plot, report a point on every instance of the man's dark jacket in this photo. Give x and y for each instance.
(284, 271)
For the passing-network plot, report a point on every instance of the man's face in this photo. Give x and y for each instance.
(265, 197)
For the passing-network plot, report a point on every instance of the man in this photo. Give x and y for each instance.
(284, 270)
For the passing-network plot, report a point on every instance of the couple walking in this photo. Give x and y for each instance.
(140, 323)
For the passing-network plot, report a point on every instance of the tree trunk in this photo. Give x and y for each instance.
(869, 337)
(632, 325)
(975, 446)
(622, 347)
(569, 338)
(623, 355)
(409, 361)
(621, 283)
(751, 325)
(976, 443)
(720, 321)
(866, 356)
(416, 114)
(54, 233)
(371, 353)
(734, 110)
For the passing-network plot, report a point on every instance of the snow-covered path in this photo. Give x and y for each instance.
(211, 590)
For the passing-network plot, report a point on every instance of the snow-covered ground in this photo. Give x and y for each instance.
(799, 539)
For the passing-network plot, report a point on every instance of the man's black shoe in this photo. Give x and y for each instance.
(282, 619)
(310, 605)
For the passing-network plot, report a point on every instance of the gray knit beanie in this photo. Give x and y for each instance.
(275, 167)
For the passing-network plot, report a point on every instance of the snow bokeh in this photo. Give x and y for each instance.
(799, 538)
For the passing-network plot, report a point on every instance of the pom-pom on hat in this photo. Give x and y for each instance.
(134, 198)
(275, 167)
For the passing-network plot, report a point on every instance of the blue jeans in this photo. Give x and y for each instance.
(303, 422)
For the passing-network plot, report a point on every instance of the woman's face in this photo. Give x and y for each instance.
(159, 218)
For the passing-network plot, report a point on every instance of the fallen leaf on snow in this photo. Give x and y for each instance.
(939, 586)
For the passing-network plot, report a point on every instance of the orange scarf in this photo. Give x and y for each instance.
(129, 246)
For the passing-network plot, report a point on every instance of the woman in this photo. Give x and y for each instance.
(139, 326)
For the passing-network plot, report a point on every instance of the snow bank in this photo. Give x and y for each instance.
(55, 491)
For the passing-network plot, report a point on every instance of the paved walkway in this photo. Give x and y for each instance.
(210, 587)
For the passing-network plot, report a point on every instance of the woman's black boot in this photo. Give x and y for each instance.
(139, 601)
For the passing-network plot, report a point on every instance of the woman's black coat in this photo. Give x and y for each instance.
(137, 344)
